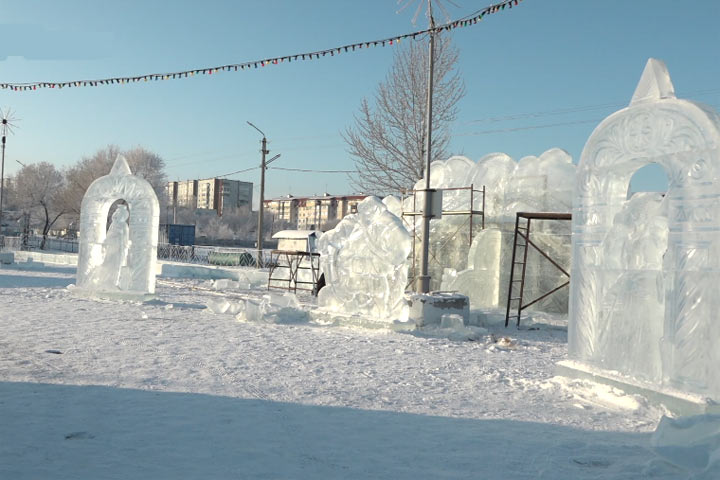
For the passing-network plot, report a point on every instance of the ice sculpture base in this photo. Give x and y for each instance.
(678, 402)
(122, 295)
(429, 308)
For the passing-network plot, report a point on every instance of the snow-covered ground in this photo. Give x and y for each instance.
(167, 389)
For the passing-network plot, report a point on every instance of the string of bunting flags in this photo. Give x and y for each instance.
(464, 22)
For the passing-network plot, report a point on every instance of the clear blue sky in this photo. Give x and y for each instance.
(524, 69)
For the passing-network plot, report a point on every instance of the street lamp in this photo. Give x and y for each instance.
(263, 167)
(424, 279)
(6, 127)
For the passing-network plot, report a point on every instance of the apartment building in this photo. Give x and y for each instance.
(219, 194)
(313, 213)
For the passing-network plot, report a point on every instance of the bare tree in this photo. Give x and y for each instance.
(39, 191)
(143, 163)
(388, 140)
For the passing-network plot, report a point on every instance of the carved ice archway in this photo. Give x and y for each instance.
(120, 184)
(683, 137)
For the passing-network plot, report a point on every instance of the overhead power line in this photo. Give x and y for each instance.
(529, 127)
(236, 172)
(308, 170)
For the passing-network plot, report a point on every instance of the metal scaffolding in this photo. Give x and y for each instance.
(523, 232)
(414, 214)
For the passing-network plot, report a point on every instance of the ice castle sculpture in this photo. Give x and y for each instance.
(120, 260)
(645, 270)
(365, 262)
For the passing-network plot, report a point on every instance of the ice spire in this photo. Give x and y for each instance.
(654, 84)
(120, 167)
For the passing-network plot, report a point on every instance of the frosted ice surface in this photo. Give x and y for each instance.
(481, 280)
(690, 442)
(121, 259)
(534, 184)
(114, 251)
(654, 84)
(271, 308)
(365, 262)
(394, 205)
(645, 269)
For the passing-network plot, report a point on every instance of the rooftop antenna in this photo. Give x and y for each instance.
(5, 129)
(404, 4)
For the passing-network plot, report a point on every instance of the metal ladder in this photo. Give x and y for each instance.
(518, 283)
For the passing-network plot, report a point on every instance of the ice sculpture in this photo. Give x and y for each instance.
(365, 262)
(645, 270)
(121, 260)
(480, 269)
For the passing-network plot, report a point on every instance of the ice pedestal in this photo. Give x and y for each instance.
(119, 262)
(365, 262)
(645, 270)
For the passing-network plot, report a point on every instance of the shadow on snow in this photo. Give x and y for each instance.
(65, 431)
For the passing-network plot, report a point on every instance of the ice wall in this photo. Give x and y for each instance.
(534, 184)
(645, 270)
(122, 259)
(365, 262)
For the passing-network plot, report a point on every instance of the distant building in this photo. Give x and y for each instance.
(313, 213)
(183, 194)
(219, 194)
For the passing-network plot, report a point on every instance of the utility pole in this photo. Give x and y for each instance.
(424, 279)
(261, 208)
(2, 178)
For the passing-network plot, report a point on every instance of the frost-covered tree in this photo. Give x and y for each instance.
(39, 190)
(143, 163)
(387, 141)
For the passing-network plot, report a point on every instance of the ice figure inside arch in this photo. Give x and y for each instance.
(119, 261)
(645, 269)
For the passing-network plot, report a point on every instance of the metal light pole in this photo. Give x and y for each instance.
(261, 208)
(2, 174)
(424, 278)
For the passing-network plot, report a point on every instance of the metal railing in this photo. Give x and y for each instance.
(10, 244)
(33, 242)
(203, 255)
(209, 255)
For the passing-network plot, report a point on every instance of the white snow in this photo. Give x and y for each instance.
(168, 389)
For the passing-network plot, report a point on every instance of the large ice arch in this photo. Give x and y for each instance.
(683, 137)
(142, 203)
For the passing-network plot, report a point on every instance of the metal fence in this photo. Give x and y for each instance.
(204, 255)
(33, 242)
(10, 244)
(209, 255)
